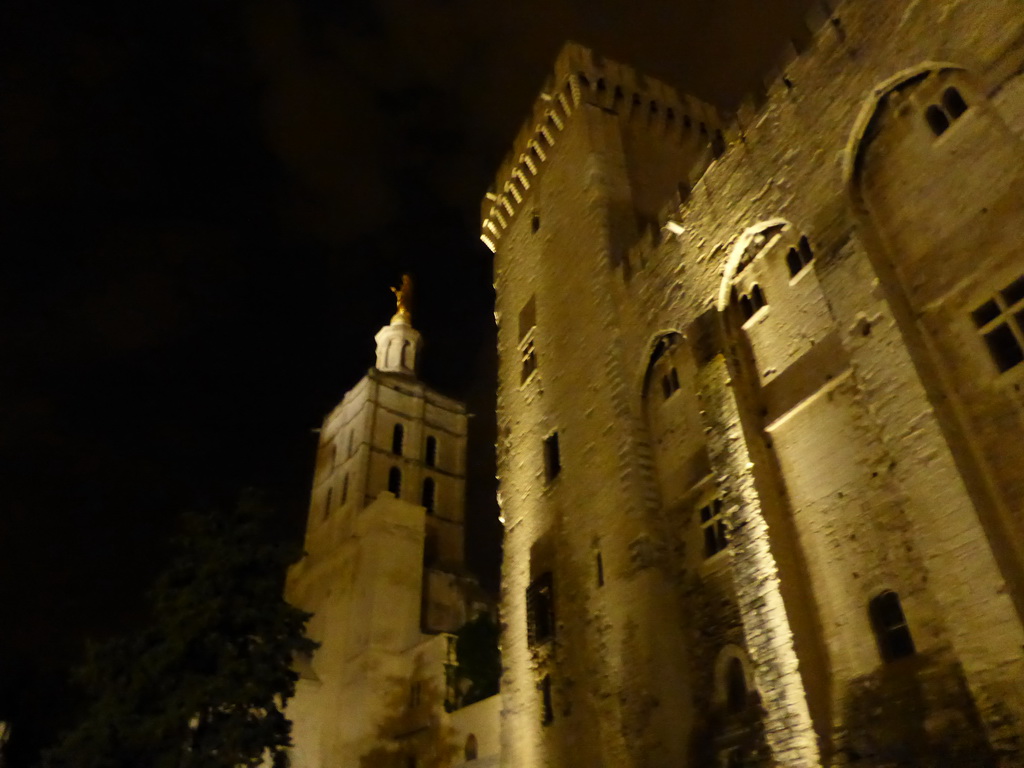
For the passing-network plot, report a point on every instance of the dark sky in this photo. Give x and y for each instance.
(202, 205)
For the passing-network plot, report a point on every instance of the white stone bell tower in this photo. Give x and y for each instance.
(383, 573)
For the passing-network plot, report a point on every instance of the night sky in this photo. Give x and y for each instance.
(203, 206)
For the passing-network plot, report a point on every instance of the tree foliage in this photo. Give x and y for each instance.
(203, 686)
(479, 670)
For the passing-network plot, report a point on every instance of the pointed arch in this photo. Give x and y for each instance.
(660, 343)
(739, 250)
(867, 121)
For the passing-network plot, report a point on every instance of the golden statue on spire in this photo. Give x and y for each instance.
(403, 299)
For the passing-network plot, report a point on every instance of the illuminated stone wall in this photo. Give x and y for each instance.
(780, 327)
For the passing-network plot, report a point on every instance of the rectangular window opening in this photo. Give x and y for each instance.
(527, 317)
(712, 521)
(890, 625)
(529, 356)
(552, 457)
(540, 610)
(1001, 323)
(547, 715)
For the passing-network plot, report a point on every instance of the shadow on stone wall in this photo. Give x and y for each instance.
(413, 732)
(915, 712)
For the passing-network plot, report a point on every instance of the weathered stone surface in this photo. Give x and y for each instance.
(772, 323)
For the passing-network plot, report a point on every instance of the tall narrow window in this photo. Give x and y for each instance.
(600, 570)
(527, 350)
(746, 307)
(937, 120)
(428, 495)
(712, 523)
(327, 502)
(552, 457)
(344, 490)
(431, 453)
(405, 354)
(547, 713)
(735, 686)
(431, 550)
(757, 297)
(395, 481)
(540, 610)
(890, 625)
(794, 262)
(471, 748)
(799, 257)
(397, 439)
(527, 317)
(529, 361)
(1000, 320)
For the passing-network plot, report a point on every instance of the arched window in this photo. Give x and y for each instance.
(746, 307)
(431, 454)
(757, 297)
(405, 354)
(794, 262)
(397, 439)
(954, 103)
(937, 120)
(395, 481)
(344, 490)
(428, 495)
(890, 625)
(327, 503)
(471, 747)
(735, 686)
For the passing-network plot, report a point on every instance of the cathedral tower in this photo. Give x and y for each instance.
(383, 573)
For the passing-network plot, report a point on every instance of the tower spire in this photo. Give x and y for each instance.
(398, 343)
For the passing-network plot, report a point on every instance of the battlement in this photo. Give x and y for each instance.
(822, 26)
(583, 76)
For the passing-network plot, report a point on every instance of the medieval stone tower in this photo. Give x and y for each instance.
(383, 573)
(761, 403)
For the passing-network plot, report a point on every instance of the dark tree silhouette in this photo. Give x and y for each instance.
(204, 685)
(479, 670)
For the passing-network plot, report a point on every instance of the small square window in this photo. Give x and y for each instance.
(1003, 346)
(1001, 322)
(986, 313)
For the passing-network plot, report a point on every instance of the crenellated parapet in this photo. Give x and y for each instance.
(581, 76)
(823, 25)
